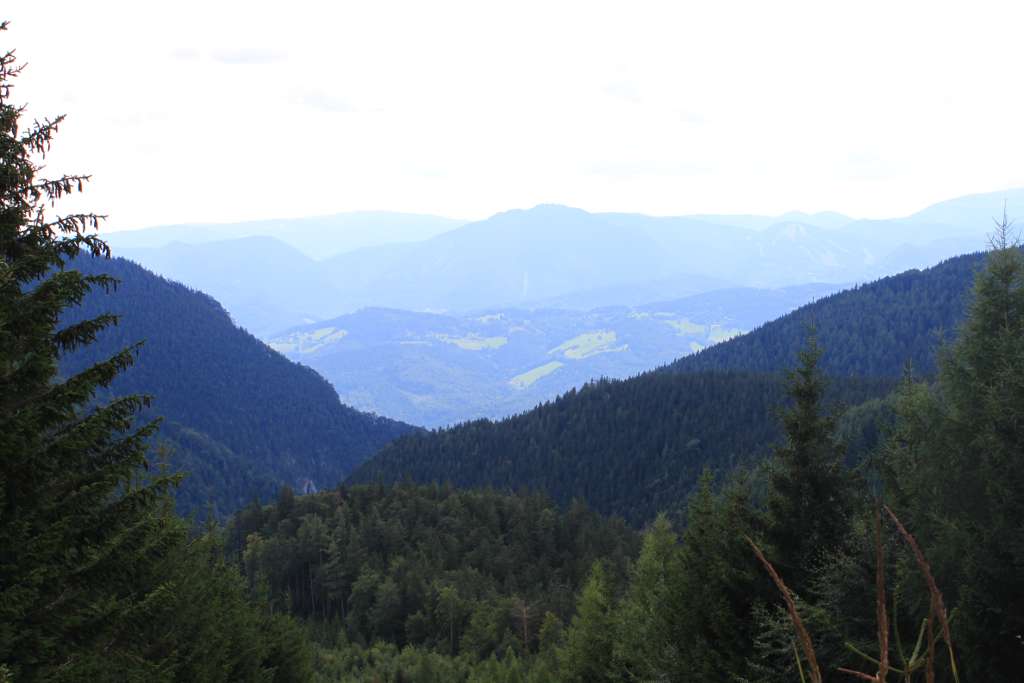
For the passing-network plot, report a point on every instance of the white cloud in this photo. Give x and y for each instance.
(659, 107)
(185, 53)
(248, 55)
(629, 169)
(318, 99)
(622, 86)
(687, 116)
(868, 163)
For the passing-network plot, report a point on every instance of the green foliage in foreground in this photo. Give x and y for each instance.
(459, 572)
(954, 469)
(98, 579)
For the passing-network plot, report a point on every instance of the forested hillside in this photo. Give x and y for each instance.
(245, 417)
(870, 330)
(428, 566)
(631, 447)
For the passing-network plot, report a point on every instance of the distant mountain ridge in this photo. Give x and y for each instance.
(318, 237)
(550, 255)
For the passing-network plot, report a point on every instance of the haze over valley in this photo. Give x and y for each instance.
(434, 321)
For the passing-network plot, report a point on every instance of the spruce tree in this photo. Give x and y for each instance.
(97, 578)
(953, 468)
(811, 496)
(75, 524)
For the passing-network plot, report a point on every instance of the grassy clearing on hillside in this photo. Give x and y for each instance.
(307, 342)
(684, 326)
(719, 336)
(587, 345)
(474, 343)
(528, 378)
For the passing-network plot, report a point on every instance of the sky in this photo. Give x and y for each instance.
(226, 111)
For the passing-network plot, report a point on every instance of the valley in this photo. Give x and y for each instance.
(542, 422)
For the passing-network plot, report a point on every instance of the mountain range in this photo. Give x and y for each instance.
(542, 256)
(400, 324)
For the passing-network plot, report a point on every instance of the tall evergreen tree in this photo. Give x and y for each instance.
(97, 579)
(74, 526)
(587, 654)
(953, 468)
(811, 494)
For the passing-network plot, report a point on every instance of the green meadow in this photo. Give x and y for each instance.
(528, 378)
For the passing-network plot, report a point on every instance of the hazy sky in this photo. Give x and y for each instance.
(220, 111)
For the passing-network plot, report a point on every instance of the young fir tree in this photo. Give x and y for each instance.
(953, 469)
(688, 613)
(589, 640)
(811, 496)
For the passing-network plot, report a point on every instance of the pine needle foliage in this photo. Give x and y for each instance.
(811, 494)
(74, 525)
(953, 468)
(98, 581)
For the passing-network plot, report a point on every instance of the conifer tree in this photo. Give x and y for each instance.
(75, 525)
(587, 654)
(811, 495)
(97, 579)
(953, 467)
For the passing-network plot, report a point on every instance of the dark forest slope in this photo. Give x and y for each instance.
(633, 447)
(245, 417)
(866, 331)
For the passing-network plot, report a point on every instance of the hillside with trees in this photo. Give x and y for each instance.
(821, 579)
(871, 330)
(245, 418)
(632, 447)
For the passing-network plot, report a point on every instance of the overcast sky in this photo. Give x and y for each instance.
(222, 111)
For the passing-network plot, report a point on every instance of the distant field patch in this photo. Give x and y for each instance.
(474, 342)
(588, 345)
(489, 318)
(306, 342)
(719, 336)
(695, 347)
(528, 378)
(684, 326)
